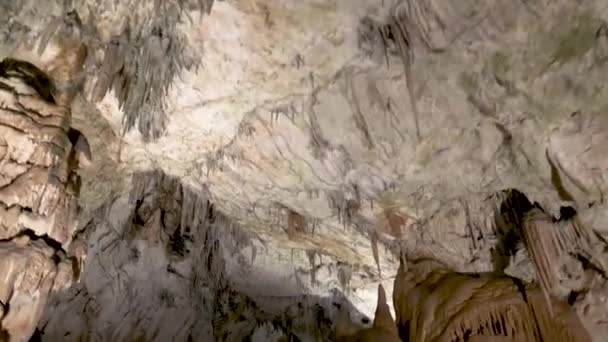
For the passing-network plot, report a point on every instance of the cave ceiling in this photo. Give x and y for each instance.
(242, 168)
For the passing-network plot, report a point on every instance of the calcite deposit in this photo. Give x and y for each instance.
(198, 170)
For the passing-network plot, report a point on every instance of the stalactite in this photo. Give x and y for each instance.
(296, 224)
(345, 272)
(311, 254)
(374, 244)
(318, 143)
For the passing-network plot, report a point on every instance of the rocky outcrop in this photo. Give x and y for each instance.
(40, 154)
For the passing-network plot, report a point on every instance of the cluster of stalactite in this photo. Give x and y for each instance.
(139, 63)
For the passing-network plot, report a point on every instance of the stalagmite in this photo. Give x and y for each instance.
(383, 328)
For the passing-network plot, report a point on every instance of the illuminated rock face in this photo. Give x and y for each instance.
(40, 153)
(477, 307)
(180, 262)
(337, 135)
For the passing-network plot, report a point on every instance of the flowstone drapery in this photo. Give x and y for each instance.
(40, 155)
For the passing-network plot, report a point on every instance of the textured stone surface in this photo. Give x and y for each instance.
(163, 264)
(383, 328)
(341, 133)
(434, 304)
(39, 157)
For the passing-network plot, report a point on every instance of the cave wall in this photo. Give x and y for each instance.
(41, 248)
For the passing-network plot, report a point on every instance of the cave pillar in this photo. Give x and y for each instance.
(40, 154)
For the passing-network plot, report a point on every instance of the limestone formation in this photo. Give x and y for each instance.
(262, 165)
(40, 154)
(435, 304)
(180, 263)
(383, 328)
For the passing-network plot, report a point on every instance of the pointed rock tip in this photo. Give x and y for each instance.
(381, 294)
(383, 317)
